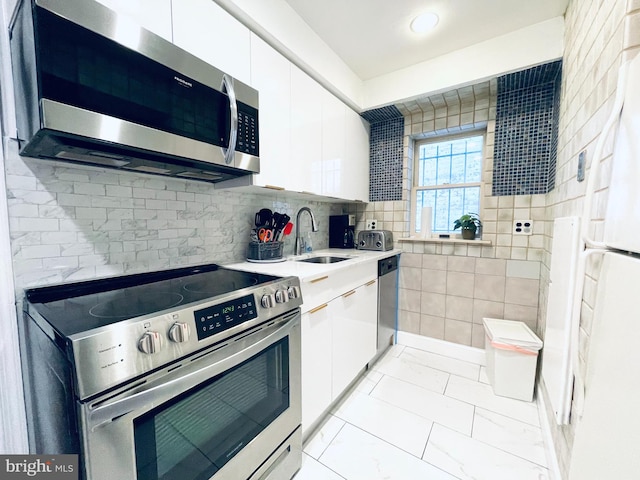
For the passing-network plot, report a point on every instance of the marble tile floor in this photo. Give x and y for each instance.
(417, 415)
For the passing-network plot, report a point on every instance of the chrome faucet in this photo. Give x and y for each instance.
(314, 228)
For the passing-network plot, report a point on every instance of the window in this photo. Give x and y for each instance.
(447, 178)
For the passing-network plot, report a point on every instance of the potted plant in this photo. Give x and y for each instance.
(469, 224)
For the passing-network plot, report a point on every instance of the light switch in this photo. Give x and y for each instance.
(581, 161)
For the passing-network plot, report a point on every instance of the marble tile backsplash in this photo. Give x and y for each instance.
(71, 223)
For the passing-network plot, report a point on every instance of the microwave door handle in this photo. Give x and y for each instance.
(228, 87)
(109, 411)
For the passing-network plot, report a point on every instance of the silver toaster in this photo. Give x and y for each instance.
(380, 240)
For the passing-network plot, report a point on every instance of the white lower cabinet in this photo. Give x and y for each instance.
(338, 340)
(316, 364)
(353, 334)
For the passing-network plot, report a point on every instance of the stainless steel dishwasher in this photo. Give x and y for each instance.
(387, 302)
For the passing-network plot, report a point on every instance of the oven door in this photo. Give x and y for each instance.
(230, 413)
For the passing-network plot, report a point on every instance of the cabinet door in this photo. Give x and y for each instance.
(154, 15)
(271, 76)
(306, 133)
(316, 364)
(333, 146)
(356, 162)
(204, 29)
(354, 322)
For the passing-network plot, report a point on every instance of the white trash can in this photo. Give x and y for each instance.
(512, 356)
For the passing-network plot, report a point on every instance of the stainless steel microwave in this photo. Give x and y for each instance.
(95, 88)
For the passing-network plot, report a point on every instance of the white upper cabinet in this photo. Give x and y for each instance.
(306, 132)
(333, 145)
(271, 76)
(345, 151)
(154, 15)
(205, 30)
(355, 168)
(310, 141)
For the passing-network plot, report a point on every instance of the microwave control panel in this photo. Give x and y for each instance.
(247, 130)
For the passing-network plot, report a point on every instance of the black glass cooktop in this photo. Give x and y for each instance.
(77, 307)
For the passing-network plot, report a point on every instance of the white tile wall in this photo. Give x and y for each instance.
(598, 36)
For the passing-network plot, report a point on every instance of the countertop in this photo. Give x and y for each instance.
(308, 271)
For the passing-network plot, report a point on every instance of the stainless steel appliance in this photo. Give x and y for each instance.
(387, 303)
(342, 231)
(190, 373)
(91, 87)
(378, 240)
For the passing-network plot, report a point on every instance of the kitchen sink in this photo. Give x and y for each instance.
(323, 259)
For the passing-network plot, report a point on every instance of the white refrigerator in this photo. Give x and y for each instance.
(607, 437)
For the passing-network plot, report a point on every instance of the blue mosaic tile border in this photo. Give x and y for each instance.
(526, 135)
(381, 114)
(554, 143)
(385, 160)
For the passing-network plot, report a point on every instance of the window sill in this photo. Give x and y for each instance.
(445, 240)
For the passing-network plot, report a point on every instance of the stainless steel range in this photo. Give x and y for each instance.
(191, 373)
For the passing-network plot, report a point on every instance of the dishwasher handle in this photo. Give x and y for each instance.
(387, 265)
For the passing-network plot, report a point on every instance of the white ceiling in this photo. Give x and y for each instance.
(373, 36)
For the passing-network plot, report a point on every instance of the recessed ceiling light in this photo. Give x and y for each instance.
(424, 22)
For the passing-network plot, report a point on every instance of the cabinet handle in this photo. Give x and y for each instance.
(369, 283)
(315, 280)
(314, 310)
(348, 294)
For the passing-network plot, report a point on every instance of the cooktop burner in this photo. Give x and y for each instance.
(82, 306)
(227, 284)
(125, 306)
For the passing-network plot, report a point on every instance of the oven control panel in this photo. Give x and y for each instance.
(223, 316)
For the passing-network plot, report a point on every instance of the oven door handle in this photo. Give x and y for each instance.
(108, 411)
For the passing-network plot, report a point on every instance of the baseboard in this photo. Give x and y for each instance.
(552, 458)
(442, 347)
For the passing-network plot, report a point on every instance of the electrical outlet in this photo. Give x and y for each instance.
(372, 224)
(522, 227)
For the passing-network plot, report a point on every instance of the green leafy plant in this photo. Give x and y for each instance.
(469, 224)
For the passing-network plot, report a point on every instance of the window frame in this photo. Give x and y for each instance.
(416, 159)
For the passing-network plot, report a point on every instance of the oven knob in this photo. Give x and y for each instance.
(282, 296)
(294, 292)
(268, 301)
(150, 342)
(179, 332)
